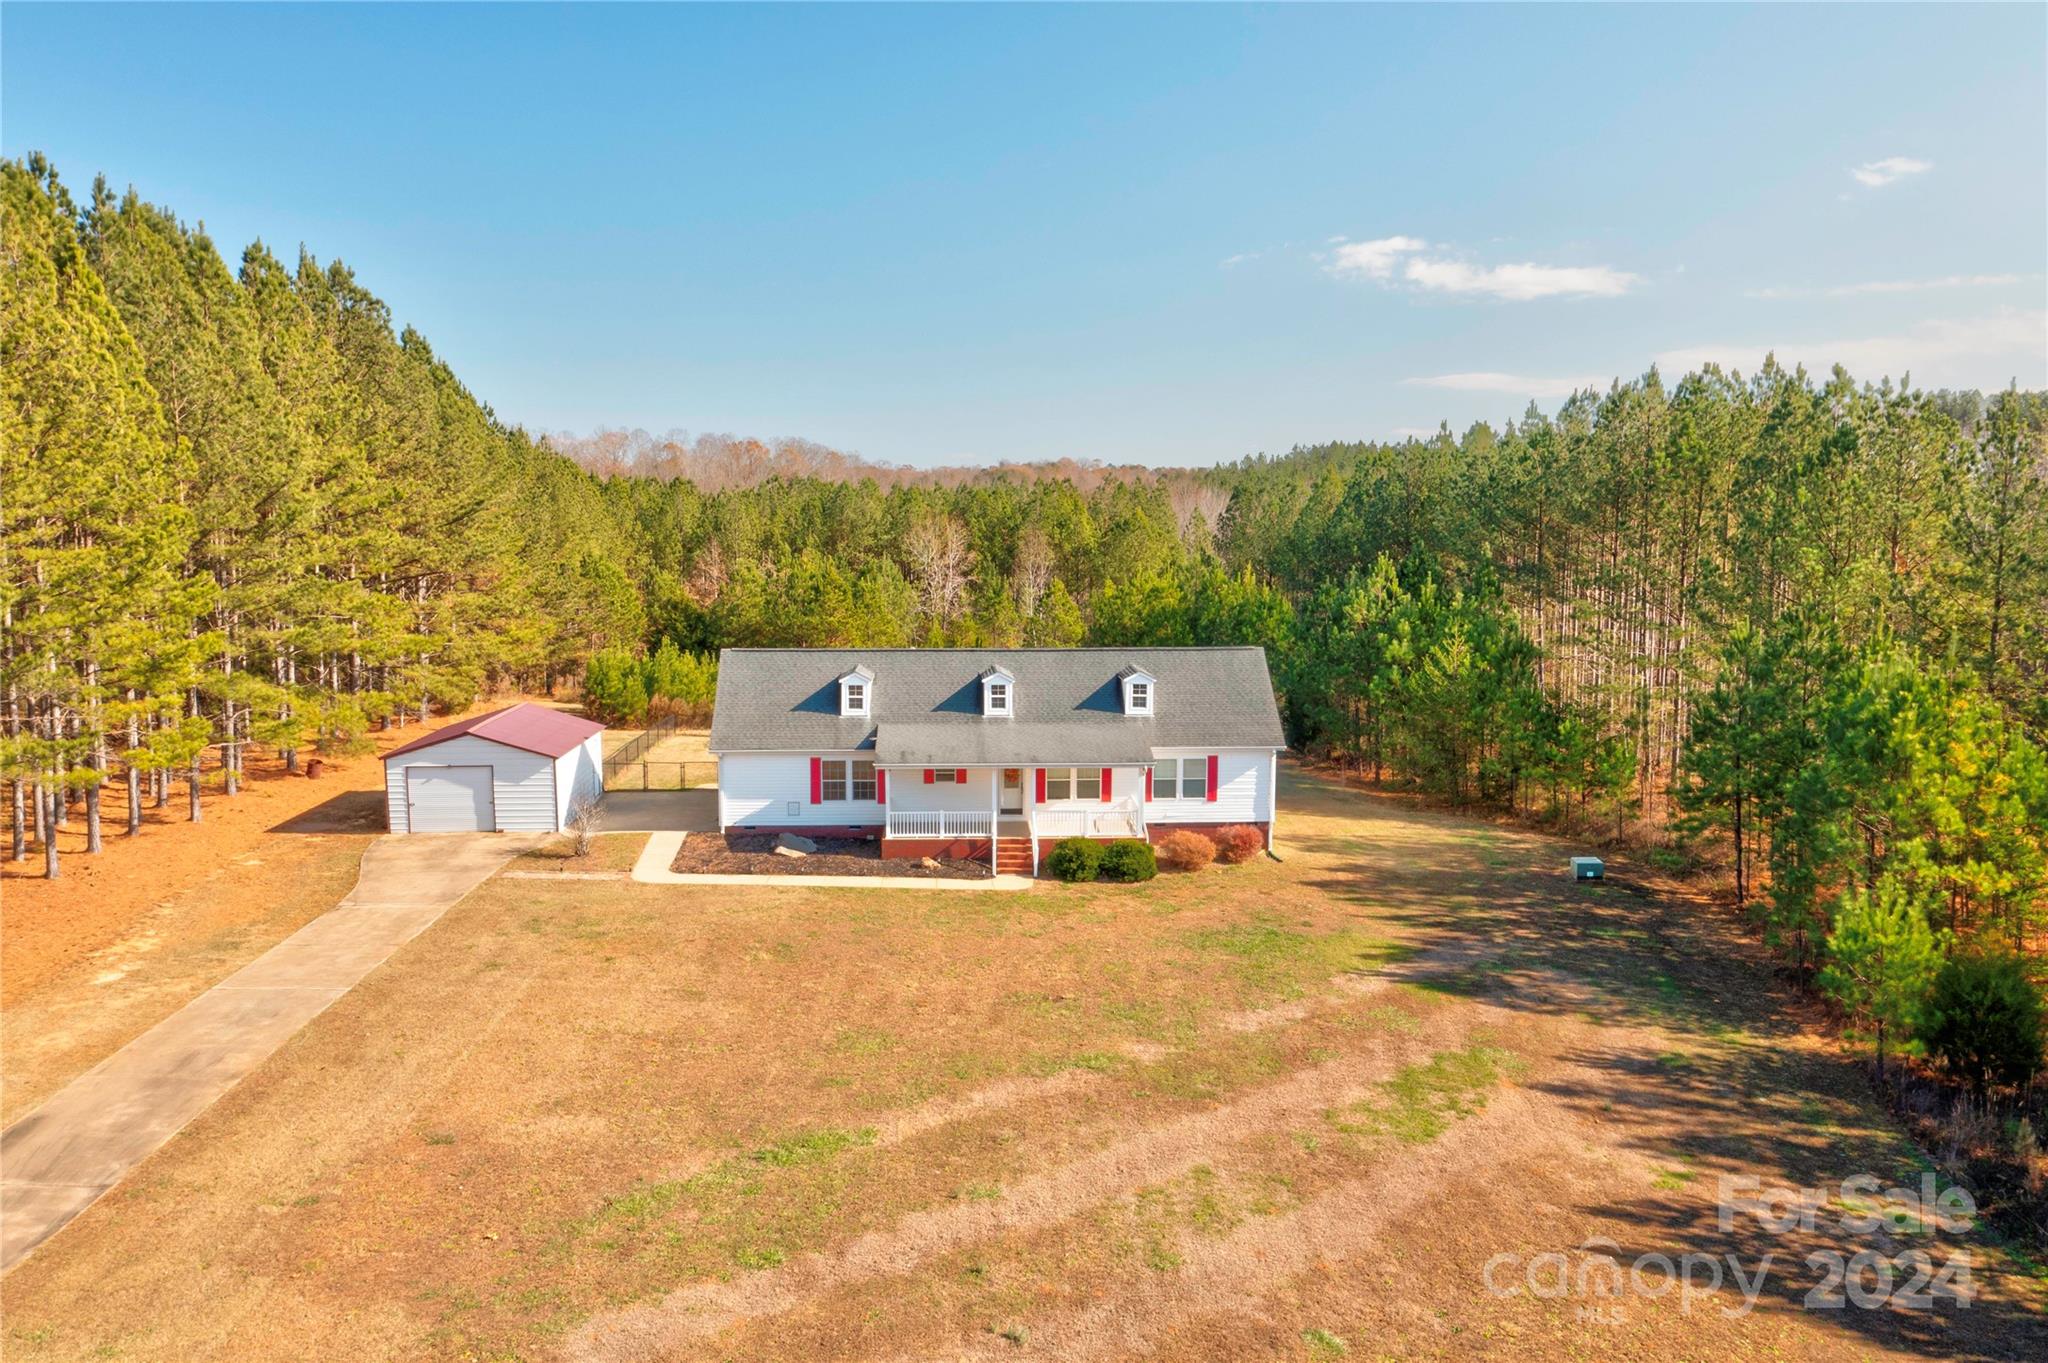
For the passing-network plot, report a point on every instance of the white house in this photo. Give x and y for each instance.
(996, 752)
(517, 770)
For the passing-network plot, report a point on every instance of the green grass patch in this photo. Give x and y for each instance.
(1271, 957)
(1422, 1101)
(811, 1146)
(1324, 1345)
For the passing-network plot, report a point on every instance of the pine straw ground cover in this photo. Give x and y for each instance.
(1288, 1112)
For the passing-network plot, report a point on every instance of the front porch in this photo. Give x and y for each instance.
(995, 812)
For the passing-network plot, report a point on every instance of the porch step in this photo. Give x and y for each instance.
(1013, 856)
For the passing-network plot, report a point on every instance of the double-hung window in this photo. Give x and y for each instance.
(841, 779)
(856, 698)
(1180, 778)
(999, 698)
(1073, 783)
(833, 785)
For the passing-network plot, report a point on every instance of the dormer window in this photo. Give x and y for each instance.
(1139, 689)
(855, 690)
(998, 693)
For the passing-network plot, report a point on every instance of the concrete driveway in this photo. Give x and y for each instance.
(661, 811)
(57, 1160)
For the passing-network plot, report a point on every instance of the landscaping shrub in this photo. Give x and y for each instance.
(1073, 859)
(1186, 850)
(1129, 859)
(1239, 842)
(1984, 1021)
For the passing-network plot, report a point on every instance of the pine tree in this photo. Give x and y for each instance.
(1882, 955)
(95, 536)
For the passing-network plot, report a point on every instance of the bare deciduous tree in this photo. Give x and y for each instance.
(941, 565)
(586, 821)
(1032, 570)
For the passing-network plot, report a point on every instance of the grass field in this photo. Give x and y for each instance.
(1289, 1110)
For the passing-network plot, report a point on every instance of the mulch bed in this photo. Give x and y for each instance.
(754, 854)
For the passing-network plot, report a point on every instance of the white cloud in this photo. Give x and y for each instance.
(1878, 174)
(1947, 281)
(1373, 259)
(1940, 352)
(1515, 385)
(1401, 258)
(1240, 258)
(1520, 283)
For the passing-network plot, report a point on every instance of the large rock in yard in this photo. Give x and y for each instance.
(931, 864)
(794, 845)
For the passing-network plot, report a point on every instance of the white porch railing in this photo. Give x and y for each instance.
(1122, 818)
(940, 823)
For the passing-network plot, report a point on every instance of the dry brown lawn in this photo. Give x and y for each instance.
(1288, 1110)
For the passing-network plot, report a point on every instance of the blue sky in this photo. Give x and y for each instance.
(1162, 234)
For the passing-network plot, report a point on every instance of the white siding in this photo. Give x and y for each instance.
(579, 773)
(907, 790)
(523, 783)
(757, 788)
(1242, 796)
(1125, 783)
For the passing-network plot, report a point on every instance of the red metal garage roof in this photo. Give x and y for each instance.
(534, 728)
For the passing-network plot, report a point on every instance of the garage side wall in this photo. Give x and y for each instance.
(523, 786)
(579, 774)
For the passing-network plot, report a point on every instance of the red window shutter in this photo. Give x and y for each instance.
(1212, 778)
(817, 780)
(881, 784)
(1105, 785)
(930, 776)
(960, 776)
(1041, 785)
(1148, 785)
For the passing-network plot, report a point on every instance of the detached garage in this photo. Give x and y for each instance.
(517, 770)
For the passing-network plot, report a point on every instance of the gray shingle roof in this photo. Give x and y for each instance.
(926, 705)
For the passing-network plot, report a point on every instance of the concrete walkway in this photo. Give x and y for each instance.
(661, 849)
(57, 1160)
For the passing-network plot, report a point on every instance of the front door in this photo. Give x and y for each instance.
(1013, 790)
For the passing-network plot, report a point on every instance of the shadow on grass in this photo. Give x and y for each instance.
(352, 811)
(1738, 1080)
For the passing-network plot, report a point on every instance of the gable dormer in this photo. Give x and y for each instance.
(1141, 691)
(857, 693)
(998, 693)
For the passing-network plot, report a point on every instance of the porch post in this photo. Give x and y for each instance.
(888, 802)
(995, 799)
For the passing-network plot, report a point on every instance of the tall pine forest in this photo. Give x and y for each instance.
(1796, 624)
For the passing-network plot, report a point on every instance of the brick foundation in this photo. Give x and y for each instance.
(964, 849)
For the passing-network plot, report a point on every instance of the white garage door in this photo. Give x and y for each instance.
(450, 800)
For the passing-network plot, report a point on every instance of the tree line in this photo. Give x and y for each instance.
(243, 509)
